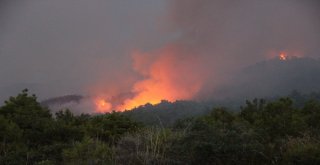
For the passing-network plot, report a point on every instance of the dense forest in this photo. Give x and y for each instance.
(277, 131)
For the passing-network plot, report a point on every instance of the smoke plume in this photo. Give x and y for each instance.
(125, 54)
(216, 39)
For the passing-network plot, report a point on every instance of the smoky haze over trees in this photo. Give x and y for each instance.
(60, 47)
(234, 34)
(160, 82)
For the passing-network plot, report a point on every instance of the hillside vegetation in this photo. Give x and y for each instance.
(260, 132)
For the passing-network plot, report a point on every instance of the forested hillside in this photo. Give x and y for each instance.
(272, 77)
(261, 132)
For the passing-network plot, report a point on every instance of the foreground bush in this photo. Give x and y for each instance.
(275, 132)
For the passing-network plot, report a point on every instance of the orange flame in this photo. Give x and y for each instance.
(102, 105)
(283, 56)
(170, 77)
(168, 74)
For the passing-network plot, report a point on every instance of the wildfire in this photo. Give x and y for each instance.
(167, 74)
(102, 105)
(283, 56)
(169, 77)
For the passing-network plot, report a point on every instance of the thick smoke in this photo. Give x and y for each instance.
(217, 38)
(229, 35)
(172, 75)
(127, 53)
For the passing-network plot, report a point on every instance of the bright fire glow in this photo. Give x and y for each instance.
(167, 74)
(102, 105)
(283, 56)
(169, 78)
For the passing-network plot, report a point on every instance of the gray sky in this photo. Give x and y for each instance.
(64, 46)
(58, 47)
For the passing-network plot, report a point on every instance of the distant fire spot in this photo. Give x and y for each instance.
(283, 56)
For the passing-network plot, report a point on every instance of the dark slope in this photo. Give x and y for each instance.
(274, 77)
(62, 100)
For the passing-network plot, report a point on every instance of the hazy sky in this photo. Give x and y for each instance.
(58, 47)
(63, 46)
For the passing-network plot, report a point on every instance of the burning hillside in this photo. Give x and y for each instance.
(172, 75)
(189, 49)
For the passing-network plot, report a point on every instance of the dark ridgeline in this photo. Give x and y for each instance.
(273, 78)
(62, 100)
